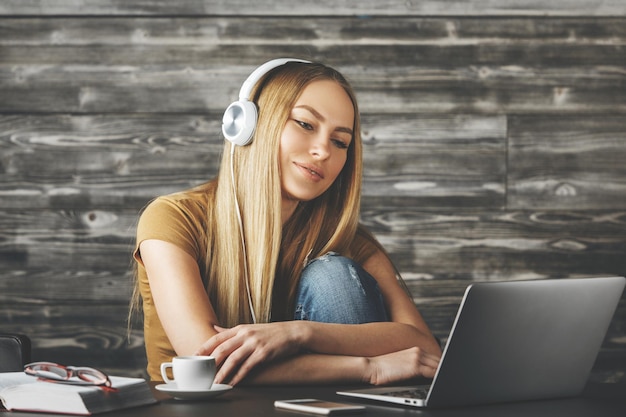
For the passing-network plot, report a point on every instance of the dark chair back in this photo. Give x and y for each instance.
(14, 352)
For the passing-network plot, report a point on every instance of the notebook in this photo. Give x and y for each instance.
(516, 341)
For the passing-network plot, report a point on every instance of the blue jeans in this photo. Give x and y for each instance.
(335, 289)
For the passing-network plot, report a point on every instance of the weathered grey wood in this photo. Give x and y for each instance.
(94, 162)
(481, 245)
(493, 144)
(79, 89)
(314, 8)
(241, 30)
(97, 284)
(414, 158)
(455, 244)
(568, 163)
(78, 333)
(397, 65)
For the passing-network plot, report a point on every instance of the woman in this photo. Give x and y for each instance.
(266, 267)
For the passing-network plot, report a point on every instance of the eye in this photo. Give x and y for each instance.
(304, 125)
(340, 143)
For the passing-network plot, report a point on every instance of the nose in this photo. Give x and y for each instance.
(320, 146)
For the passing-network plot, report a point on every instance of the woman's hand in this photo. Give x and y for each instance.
(401, 365)
(240, 349)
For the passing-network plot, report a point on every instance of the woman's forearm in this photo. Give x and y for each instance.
(337, 369)
(368, 340)
(311, 369)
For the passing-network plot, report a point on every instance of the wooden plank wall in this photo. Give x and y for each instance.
(495, 141)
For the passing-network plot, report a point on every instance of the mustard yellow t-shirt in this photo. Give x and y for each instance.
(179, 219)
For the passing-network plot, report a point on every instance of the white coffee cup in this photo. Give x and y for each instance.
(193, 373)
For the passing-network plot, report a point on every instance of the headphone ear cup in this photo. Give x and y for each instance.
(239, 122)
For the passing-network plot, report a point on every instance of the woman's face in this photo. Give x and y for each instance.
(314, 143)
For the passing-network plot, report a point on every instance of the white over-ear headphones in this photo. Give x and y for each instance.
(239, 121)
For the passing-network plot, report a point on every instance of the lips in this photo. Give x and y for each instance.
(311, 170)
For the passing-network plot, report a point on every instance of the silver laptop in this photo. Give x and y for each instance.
(515, 341)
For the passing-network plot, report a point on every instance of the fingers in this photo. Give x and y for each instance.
(402, 365)
(235, 367)
(238, 366)
(427, 363)
(223, 345)
(236, 353)
(422, 358)
(429, 360)
(242, 360)
(219, 329)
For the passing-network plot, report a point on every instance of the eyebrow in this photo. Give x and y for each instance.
(322, 118)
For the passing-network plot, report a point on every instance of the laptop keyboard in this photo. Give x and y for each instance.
(415, 392)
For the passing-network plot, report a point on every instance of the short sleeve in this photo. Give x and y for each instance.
(172, 220)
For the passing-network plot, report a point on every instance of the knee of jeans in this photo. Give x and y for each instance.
(335, 289)
(334, 272)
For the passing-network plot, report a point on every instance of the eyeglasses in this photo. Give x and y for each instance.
(72, 375)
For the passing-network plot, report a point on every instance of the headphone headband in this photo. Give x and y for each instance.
(257, 74)
(239, 121)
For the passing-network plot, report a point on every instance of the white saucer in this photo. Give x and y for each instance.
(174, 391)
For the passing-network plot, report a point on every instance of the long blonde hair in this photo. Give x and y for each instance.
(276, 254)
